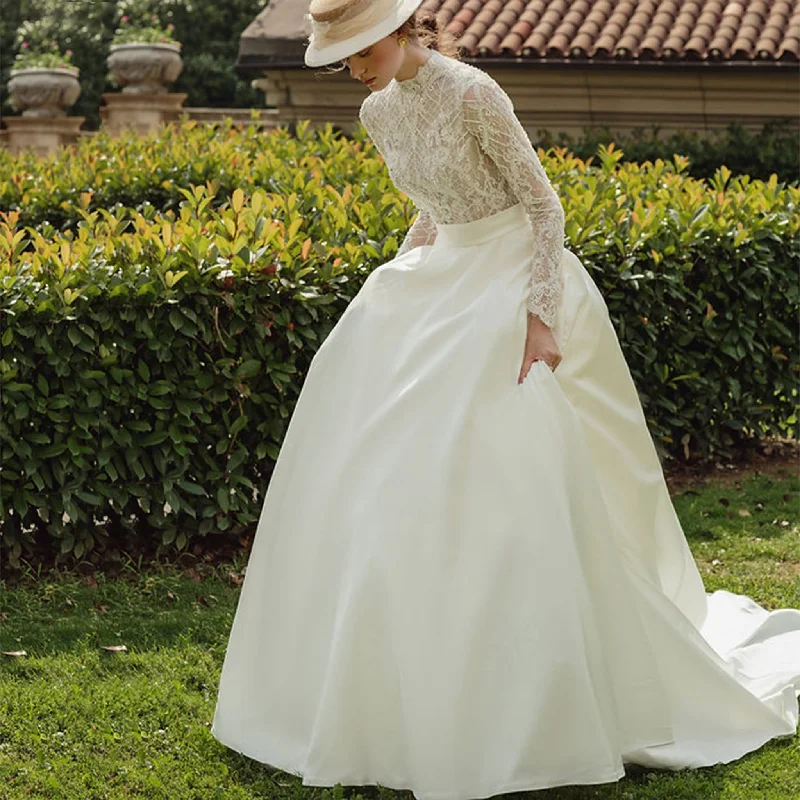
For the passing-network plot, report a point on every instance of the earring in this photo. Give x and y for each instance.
(402, 41)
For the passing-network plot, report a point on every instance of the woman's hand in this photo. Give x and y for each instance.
(540, 345)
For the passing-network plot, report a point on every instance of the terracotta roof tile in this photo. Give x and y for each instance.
(789, 49)
(625, 30)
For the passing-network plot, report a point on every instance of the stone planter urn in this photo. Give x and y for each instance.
(44, 91)
(145, 67)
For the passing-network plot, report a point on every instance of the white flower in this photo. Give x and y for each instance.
(167, 508)
(65, 518)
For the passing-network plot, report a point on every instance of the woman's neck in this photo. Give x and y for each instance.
(415, 57)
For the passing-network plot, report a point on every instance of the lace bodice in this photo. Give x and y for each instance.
(452, 143)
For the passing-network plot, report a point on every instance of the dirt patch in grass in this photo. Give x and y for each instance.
(779, 458)
(780, 571)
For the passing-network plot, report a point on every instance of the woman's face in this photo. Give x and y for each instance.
(379, 62)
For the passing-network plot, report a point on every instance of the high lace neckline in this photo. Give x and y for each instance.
(422, 76)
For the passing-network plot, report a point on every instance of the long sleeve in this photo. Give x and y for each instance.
(422, 231)
(489, 116)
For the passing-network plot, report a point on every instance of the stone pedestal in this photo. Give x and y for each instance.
(42, 135)
(141, 113)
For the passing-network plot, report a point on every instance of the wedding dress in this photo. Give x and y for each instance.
(462, 585)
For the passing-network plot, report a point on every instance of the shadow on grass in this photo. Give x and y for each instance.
(67, 616)
(639, 782)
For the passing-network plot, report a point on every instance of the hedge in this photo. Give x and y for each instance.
(773, 149)
(162, 299)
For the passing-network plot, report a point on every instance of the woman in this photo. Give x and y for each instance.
(468, 577)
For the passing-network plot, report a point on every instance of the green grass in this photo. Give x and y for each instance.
(80, 723)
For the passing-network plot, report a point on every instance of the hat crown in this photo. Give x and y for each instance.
(331, 10)
(335, 21)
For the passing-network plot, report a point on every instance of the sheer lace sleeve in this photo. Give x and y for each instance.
(422, 231)
(489, 116)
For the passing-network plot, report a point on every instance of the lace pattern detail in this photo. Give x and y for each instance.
(422, 231)
(452, 143)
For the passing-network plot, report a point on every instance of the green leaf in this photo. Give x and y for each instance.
(272, 450)
(53, 450)
(160, 388)
(249, 368)
(238, 424)
(223, 498)
(192, 488)
(138, 425)
(94, 399)
(237, 458)
(21, 503)
(154, 438)
(94, 374)
(89, 497)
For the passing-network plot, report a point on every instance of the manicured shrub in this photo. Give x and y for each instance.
(162, 299)
(773, 149)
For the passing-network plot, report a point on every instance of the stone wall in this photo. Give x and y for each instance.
(570, 99)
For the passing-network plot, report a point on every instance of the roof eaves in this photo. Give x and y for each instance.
(249, 64)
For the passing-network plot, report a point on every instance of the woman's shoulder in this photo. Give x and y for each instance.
(460, 71)
(471, 82)
(368, 114)
(363, 107)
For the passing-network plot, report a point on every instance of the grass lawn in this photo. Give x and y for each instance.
(79, 722)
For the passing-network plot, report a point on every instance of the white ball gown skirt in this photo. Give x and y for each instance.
(463, 586)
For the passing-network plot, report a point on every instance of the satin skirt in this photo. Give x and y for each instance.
(461, 585)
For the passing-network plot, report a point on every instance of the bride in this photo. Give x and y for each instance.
(468, 577)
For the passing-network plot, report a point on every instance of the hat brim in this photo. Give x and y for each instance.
(319, 57)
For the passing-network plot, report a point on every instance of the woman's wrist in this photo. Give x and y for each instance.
(535, 321)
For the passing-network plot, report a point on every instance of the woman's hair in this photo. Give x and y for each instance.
(424, 29)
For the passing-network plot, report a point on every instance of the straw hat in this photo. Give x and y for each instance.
(340, 28)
